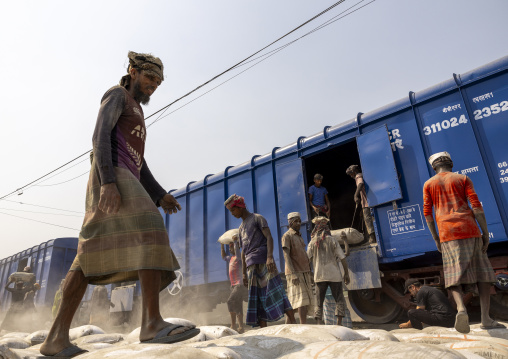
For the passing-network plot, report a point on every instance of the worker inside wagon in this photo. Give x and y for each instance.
(235, 300)
(326, 255)
(432, 307)
(298, 274)
(11, 320)
(360, 198)
(123, 236)
(318, 197)
(268, 301)
(466, 265)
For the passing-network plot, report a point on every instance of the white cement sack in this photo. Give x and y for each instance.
(352, 235)
(83, 330)
(378, 335)
(122, 298)
(133, 337)
(217, 331)
(100, 338)
(148, 351)
(180, 321)
(475, 330)
(6, 353)
(37, 337)
(222, 353)
(15, 343)
(227, 237)
(428, 338)
(371, 350)
(482, 348)
(201, 337)
(309, 333)
(15, 335)
(22, 276)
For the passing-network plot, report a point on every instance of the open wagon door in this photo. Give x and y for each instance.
(378, 167)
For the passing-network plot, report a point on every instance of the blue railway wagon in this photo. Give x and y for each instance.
(50, 262)
(466, 115)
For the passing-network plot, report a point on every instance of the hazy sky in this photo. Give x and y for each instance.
(59, 57)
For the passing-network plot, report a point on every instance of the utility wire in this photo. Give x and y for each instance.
(36, 205)
(266, 56)
(34, 220)
(55, 214)
(56, 184)
(244, 61)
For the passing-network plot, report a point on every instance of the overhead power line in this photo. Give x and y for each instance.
(36, 205)
(53, 214)
(241, 63)
(34, 220)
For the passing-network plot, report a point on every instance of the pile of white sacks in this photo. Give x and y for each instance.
(278, 341)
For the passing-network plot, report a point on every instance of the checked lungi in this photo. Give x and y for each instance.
(113, 247)
(465, 263)
(267, 298)
(301, 295)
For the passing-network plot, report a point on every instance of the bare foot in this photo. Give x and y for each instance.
(405, 325)
(56, 345)
(241, 330)
(149, 332)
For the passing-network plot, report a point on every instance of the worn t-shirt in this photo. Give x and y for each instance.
(449, 193)
(363, 193)
(252, 239)
(119, 140)
(235, 266)
(434, 301)
(296, 245)
(325, 259)
(318, 195)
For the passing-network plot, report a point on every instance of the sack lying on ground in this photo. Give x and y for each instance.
(83, 330)
(227, 237)
(100, 338)
(15, 343)
(217, 331)
(37, 337)
(378, 335)
(482, 348)
(352, 235)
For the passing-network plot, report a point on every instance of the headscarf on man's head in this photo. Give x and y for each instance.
(151, 65)
(292, 217)
(321, 229)
(235, 201)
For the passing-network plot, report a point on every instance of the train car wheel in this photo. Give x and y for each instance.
(364, 304)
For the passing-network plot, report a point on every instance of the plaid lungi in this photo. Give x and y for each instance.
(267, 298)
(465, 263)
(331, 313)
(113, 247)
(300, 295)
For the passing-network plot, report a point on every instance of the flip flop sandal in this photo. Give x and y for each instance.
(494, 325)
(69, 352)
(162, 336)
(462, 323)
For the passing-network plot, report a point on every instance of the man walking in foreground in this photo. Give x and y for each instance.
(298, 274)
(123, 237)
(432, 307)
(465, 262)
(267, 298)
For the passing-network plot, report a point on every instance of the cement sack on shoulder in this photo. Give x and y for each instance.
(148, 351)
(254, 347)
(227, 237)
(22, 276)
(83, 330)
(217, 331)
(15, 343)
(352, 235)
(308, 333)
(100, 338)
(37, 337)
(372, 350)
(482, 348)
(377, 334)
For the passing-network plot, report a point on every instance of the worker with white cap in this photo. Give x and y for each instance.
(464, 248)
(298, 274)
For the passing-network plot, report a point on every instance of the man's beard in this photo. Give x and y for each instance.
(139, 96)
